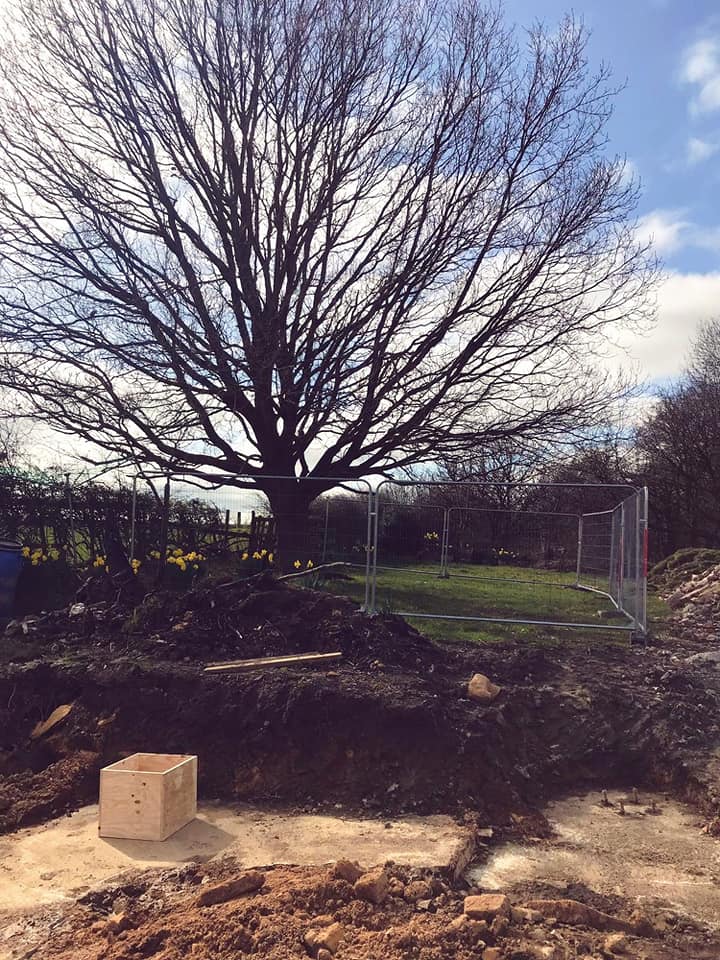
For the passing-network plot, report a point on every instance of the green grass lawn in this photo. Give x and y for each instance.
(549, 596)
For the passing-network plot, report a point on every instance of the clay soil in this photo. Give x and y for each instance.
(157, 915)
(388, 729)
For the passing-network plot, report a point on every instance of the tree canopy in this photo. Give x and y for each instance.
(306, 237)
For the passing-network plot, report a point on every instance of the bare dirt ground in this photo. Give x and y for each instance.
(646, 847)
(388, 730)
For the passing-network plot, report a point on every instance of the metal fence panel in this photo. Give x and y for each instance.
(549, 551)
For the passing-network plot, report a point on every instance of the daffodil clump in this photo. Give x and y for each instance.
(432, 536)
(188, 563)
(264, 555)
(298, 564)
(100, 563)
(39, 556)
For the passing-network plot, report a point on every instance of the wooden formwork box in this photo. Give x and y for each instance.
(148, 796)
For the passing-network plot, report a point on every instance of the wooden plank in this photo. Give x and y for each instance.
(297, 659)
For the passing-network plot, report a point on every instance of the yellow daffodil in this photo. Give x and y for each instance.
(195, 567)
(256, 556)
(54, 554)
(245, 556)
(177, 552)
(26, 551)
(270, 558)
(310, 564)
(297, 564)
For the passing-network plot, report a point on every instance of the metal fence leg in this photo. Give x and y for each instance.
(133, 515)
(375, 500)
(641, 512)
(73, 542)
(579, 552)
(325, 531)
(367, 605)
(444, 572)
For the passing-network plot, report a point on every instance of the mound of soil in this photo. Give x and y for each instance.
(389, 728)
(677, 569)
(420, 916)
(690, 583)
(257, 616)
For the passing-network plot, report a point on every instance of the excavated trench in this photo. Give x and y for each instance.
(375, 737)
(387, 731)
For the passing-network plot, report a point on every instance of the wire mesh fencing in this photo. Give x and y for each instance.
(243, 529)
(536, 554)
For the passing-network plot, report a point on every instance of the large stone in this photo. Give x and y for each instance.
(615, 944)
(576, 914)
(482, 689)
(117, 922)
(523, 915)
(707, 656)
(230, 889)
(324, 938)
(373, 886)
(417, 890)
(487, 906)
(347, 870)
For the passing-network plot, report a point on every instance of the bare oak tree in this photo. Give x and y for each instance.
(318, 238)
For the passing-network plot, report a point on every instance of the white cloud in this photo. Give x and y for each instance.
(700, 150)
(701, 69)
(630, 172)
(684, 301)
(669, 231)
(665, 229)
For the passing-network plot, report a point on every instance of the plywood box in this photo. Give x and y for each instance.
(148, 796)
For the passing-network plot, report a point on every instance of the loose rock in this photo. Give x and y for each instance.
(230, 889)
(324, 938)
(482, 689)
(492, 953)
(523, 915)
(417, 890)
(615, 944)
(487, 906)
(348, 870)
(578, 914)
(373, 886)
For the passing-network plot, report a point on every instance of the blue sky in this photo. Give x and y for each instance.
(667, 123)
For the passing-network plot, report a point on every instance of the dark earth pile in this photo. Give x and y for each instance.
(389, 728)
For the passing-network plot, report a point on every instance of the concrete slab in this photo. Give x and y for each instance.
(663, 857)
(65, 858)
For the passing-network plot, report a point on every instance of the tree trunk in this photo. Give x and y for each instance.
(290, 505)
